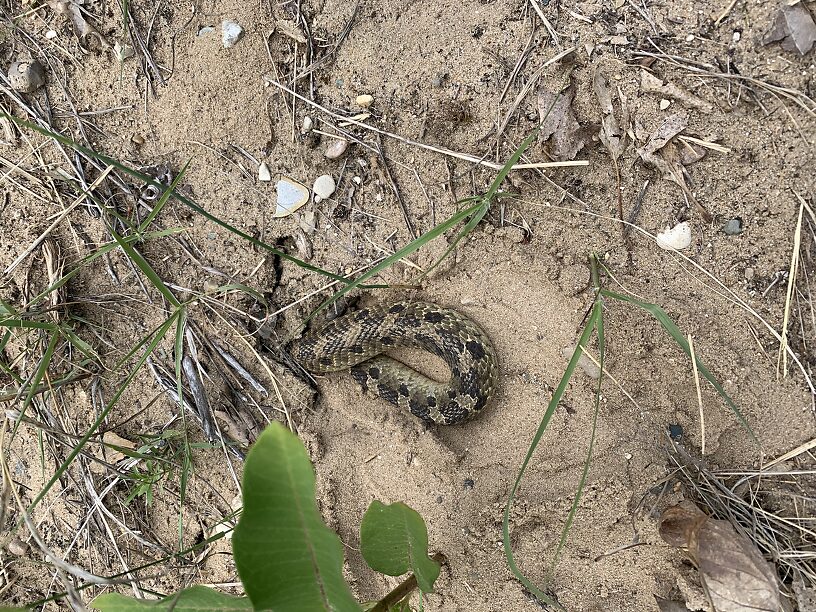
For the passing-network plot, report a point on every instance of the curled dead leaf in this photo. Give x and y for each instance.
(651, 84)
(613, 132)
(559, 123)
(733, 573)
(82, 28)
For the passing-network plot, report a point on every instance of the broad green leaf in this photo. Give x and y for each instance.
(288, 560)
(394, 540)
(195, 599)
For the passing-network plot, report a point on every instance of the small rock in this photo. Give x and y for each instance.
(336, 149)
(291, 196)
(677, 237)
(468, 484)
(675, 432)
(137, 139)
(690, 38)
(51, 34)
(307, 124)
(263, 172)
(733, 227)
(26, 76)
(664, 104)
(364, 101)
(123, 52)
(205, 30)
(18, 548)
(210, 286)
(736, 36)
(749, 274)
(231, 33)
(323, 187)
(307, 222)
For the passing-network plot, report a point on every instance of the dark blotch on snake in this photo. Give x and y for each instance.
(326, 361)
(356, 349)
(374, 373)
(431, 401)
(403, 389)
(396, 308)
(475, 349)
(387, 340)
(433, 317)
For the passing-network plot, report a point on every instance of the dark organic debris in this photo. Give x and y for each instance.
(558, 122)
(794, 26)
(734, 574)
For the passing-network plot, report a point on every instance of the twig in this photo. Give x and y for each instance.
(408, 223)
(403, 589)
(699, 393)
(463, 156)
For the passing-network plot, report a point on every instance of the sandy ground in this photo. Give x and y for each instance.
(436, 72)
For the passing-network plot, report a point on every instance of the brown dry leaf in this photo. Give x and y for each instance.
(613, 133)
(112, 439)
(82, 28)
(651, 84)
(734, 574)
(668, 605)
(661, 152)
(794, 26)
(678, 524)
(560, 123)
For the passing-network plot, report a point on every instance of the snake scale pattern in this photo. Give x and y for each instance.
(357, 341)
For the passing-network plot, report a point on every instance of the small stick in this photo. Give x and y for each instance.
(408, 223)
(403, 589)
(699, 393)
(782, 357)
(546, 22)
(464, 156)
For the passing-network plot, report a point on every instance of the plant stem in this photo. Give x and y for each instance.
(403, 589)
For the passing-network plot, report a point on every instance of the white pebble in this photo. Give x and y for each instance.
(336, 149)
(50, 34)
(323, 187)
(307, 124)
(736, 36)
(364, 101)
(677, 237)
(690, 37)
(291, 196)
(263, 172)
(231, 33)
(664, 104)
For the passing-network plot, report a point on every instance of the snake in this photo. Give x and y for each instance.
(357, 341)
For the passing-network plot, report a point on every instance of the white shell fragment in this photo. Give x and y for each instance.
(677, 237)
(26, 76)
(123, 51)
(364, 101)
(263, 172)
(323, 187)
(231, 33)
(291, 196)
(307, 125)
(336, 148)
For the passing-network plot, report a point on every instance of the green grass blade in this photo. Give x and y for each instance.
(599, 328)
(153, 343)
(409, 248)
(545, 420)
(671, 328)
(141, 263)
(165, 197)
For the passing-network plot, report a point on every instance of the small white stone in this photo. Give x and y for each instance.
(307, 124)
(291, 196)
(664, 104)
(50, 34)
(736, 36)
(323, 187)
(364, 101)
(677, 237)
(690, 38)
(336, 149)
(231, 33)
(263, 172)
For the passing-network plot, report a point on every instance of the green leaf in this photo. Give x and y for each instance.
(394, 540)
(194, 599)
(286, 557)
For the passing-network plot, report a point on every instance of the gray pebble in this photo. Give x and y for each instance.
(26, 76)
(733, 227)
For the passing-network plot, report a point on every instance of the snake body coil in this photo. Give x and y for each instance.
(357, 340)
